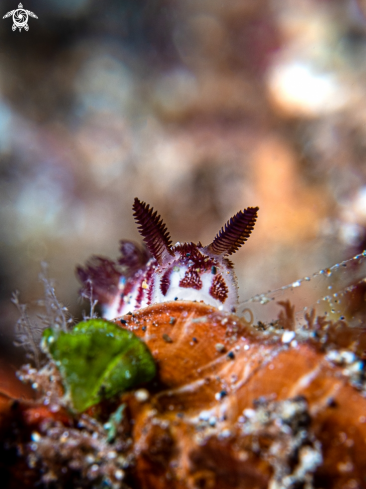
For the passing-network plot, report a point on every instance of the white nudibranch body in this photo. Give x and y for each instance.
(185, 271)
(187, 275)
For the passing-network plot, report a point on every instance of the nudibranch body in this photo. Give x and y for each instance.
(164, 272)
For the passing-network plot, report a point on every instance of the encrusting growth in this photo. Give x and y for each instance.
(232, 406)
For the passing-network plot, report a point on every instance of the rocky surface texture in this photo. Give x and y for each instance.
(233, 406)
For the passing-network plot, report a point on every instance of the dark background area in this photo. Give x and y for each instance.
(200, 109)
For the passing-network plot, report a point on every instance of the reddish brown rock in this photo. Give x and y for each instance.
(192, 431)
(233, 406)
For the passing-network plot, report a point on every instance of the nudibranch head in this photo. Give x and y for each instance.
(162, 272)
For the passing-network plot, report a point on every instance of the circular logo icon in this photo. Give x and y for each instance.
(20, 19)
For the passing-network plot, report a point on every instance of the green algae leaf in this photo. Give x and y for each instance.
(98, 360)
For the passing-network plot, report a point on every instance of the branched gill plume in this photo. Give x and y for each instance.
(236, 231)
(152, 228)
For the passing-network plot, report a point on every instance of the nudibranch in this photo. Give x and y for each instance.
(162, 272)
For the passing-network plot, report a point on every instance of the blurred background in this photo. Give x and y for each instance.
(199, 108)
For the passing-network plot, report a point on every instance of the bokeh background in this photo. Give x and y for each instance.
(200, 108)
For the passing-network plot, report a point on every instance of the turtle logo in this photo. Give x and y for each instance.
(20, 17)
